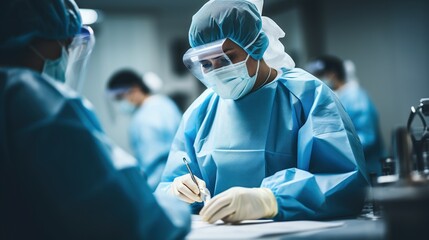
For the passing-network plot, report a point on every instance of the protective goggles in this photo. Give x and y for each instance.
(117, 93)
(206, 58)
(79, 51)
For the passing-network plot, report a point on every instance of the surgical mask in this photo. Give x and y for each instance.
(232, 81)
(56, 68)
(126, 107)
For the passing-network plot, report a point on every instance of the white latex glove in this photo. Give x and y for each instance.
(186, 190)
(238, 203)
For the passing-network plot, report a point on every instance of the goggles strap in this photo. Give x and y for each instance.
(37, 53)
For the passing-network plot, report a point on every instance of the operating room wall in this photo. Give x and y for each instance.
(389, 43)
(294, 39)
(121, 41)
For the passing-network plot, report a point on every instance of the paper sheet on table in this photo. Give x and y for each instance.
(252, 228)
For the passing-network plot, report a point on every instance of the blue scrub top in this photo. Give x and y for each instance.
(364, 116)
(151, 132)
(291, 136)
(62, 178)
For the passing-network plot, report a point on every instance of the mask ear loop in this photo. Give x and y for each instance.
(37, 52)
(63, 47)
(248, 55)
(41, 56)
(266, 79)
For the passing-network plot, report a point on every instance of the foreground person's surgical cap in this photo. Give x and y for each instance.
(21, 21)
(238, 20)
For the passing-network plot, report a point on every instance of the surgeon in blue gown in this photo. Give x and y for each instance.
(266, 139)
(60, 175)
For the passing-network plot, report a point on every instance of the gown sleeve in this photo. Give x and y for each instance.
(329, 179)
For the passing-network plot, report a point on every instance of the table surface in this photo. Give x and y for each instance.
(352, 229)
(357, 228)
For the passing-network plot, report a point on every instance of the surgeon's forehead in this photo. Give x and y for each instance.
(232, 49)
(229, 45)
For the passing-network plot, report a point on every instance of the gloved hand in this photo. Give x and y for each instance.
(186, 190)
(238, 203)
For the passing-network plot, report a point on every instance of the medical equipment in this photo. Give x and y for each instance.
(404, 195)
(419, 132)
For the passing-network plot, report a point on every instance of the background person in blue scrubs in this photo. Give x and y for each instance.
(267, 142)
(155, 120)
(330, 69)
(60, 175)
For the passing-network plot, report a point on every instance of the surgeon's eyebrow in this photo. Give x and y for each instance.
(218, 57)
(231, 52)
(228, 49)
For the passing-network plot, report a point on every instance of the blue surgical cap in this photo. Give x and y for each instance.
(238, 20)
(21, 21)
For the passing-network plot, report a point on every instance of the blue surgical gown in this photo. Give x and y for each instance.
(62, 178)
(365, 120)
(151, 132)
(291, 136)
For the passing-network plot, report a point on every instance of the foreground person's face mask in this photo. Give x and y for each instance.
(70, 67)
(55, 68)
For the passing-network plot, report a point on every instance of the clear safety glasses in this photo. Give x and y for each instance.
(79, 51)
(117, 93)
(206, 58)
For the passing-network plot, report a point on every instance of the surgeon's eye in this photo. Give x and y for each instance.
(206, 65)
(220, 61)
(235, 58)
(224, 62)
(231, 57)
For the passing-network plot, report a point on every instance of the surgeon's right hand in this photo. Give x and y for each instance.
(186, 190)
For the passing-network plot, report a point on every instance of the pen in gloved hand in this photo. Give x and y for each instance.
(204, 192)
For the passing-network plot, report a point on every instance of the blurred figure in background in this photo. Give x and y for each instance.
(155, 119)
(332, 71)
(60, 176)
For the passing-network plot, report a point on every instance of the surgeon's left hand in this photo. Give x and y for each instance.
(238, 203)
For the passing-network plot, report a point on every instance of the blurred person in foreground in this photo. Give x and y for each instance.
(332, 71)
(154, 119)
(61, 176)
